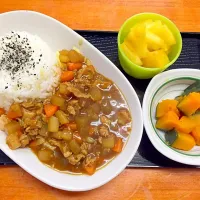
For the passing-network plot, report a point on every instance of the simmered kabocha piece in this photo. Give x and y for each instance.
(168, 121)
(167, 105)
(179, 140)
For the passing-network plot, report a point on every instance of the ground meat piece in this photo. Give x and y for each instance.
(93, 131)
(105, 120)
(82, 83)
(73, 102)
(105, 151)
(75, 159)
(31, 123)
(123, 117)
(85, 147)
(28, 104)
(39, 109)
(47, 101)
(67, 154)
(97, 154)
(32, 108)
(73, 107)
(114, 126)
(103, 131)
(32, 126)
(54, 142)
(48, 145)
(28, 114)
(44, 118)
(89, 160)
(64, 148)
(76, 91)
(71, 110)
(38, 139)
(82, 102)
(31, 137)
(39, 123)
(31, 131)
(24, 139)
(87, 72)
(3, 121)
(100, 140)
(13, 141)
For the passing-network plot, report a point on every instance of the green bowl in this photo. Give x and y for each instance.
(142, 72)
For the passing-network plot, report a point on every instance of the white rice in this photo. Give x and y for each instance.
(27, 68)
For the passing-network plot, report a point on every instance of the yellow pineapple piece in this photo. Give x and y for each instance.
(152, 23)
(164, 33)
(148, 22)
(154, 42)
(156, 59)
(137, 40)
(131, 54)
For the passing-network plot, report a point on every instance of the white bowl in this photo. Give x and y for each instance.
(59, 36)
(168, 85)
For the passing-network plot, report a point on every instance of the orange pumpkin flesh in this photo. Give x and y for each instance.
(196, 134)
(185, 125)
(196, 119)
(168, 121)
(184, 142)
(190, 104)
(165, 106)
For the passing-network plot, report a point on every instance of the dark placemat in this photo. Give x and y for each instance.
(106, 42)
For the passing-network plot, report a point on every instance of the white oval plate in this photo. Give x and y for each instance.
(168, 85)
(59, 36)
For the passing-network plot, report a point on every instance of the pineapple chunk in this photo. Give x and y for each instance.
(148, 43)
(158, 22)
(139, 30)
(151, 23)
(164, 33)
(137, 40)
(156, 59)
(148, 22)
(154, 42)
(131, 54)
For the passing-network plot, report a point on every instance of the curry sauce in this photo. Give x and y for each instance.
(81, 127)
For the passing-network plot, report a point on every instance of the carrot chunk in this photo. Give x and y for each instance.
(74, 66)
(67, 76)
(50, 109)
(118, 145)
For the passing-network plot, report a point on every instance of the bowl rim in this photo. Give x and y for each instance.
(132, 152)
(146, 68)
(155, 84)
(155, 129)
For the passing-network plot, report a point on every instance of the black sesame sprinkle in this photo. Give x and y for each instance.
(17, 56)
